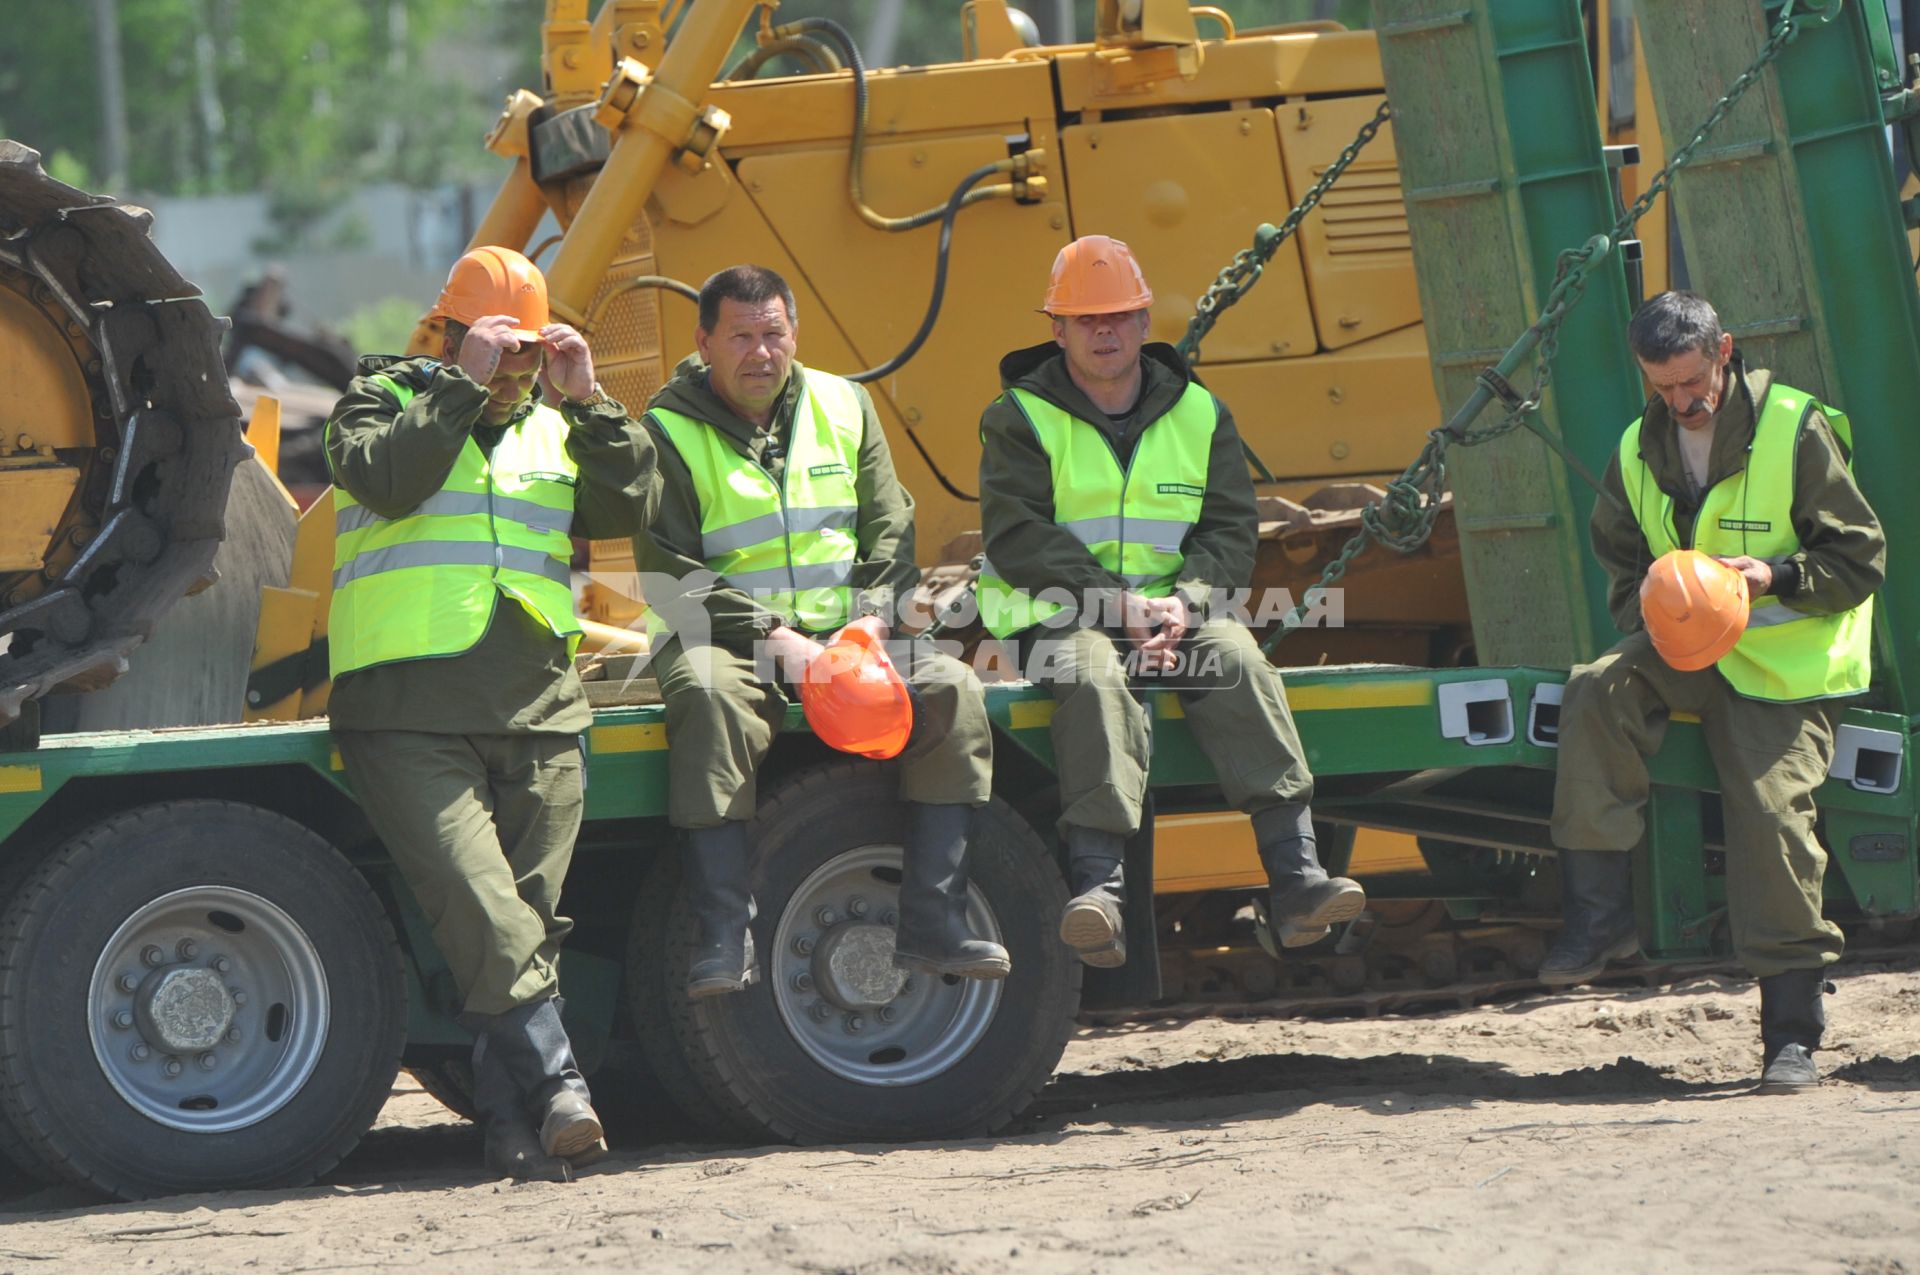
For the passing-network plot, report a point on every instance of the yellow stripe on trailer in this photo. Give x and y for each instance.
(1403, 693)
(19, 779)
(637, 737)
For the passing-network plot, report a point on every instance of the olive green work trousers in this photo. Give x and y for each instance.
(1231, 693)
(482, 828)
(722, 718)
(1770, 758)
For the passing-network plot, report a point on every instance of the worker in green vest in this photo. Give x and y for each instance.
(1120, 522)
(780, 523)
(460, 481)
(1728, 461)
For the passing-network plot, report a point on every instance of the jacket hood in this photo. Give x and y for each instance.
(1042, 370)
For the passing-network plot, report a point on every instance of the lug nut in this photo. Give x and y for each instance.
(239, 997)
(139, 1053)
(221, 965)
(855, 1024)
(171, 1067)
(207, 1061)
(123, 1019)
(803, 945)
(803, 982)
(233, 1035)
(906, 985)
(151, 955)
(857, 906)
(890, 917)
(820, 1012)
(129, 983)
(823, 916)
(188, 949)
(886, 1014)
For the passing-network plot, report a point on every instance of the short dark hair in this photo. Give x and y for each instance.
(1671, 324)
(751, 285)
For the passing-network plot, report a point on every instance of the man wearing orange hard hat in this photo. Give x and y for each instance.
(1743, 562)
(1116, 507)
(788, 536)
(459, 481)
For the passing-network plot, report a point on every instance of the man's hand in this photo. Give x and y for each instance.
(569, 368)
(1156, 626)
(792, 650)
(490, 337)
(1759, 574)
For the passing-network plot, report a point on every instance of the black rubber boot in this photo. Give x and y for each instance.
(1093, 924)
(1303, 902)
(512, 1143)
(1793, 1017)
(933, 936)
(715, 864)
(531, 1043)
(1596, 917)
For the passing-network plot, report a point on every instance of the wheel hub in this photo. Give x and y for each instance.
(853, 966)
(183, 1009)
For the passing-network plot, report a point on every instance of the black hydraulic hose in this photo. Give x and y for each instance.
(851, 52)
(947, 214)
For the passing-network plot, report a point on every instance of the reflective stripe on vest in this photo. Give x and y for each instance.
(1136, 529)
(791, 544)
(425, 584)
(1785, 655)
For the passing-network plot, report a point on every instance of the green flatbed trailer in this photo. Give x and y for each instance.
(209, 969)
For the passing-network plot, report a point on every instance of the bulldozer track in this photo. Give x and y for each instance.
(149, 510)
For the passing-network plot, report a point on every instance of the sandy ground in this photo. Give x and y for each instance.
(1599, 1131)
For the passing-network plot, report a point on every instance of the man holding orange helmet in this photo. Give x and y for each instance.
(460, 480)
(1116, 506)
(1743, 561)
(783, 526)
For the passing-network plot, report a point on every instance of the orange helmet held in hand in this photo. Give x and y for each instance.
(1096, 275)
(855, 699)
(494, 280)
(1695, 607)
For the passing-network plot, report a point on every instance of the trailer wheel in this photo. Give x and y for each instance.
(196, 995)
(658, 945)
(834, 1044)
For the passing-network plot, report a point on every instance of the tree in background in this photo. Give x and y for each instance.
(307, 99)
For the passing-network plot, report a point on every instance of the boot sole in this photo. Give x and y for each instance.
(1780, 1086)
(581, 1142)
(1316, 925)
(722, 986)
(1087, 930)
(1620, 951)
(959, 969)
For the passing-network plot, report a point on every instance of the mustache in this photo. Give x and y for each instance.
(1696, 407)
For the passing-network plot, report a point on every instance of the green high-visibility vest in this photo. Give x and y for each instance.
(424, 584)
(1133, 520)
(791, 545)
(1784, 655)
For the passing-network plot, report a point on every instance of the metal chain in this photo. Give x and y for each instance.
(1403, 518)
(1244, 270)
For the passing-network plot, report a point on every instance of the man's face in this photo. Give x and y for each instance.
(1693, 384)
(512, 382)
(748, 353)
(1102, 347)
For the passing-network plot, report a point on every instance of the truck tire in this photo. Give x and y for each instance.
(196, 995)
(830, 1045)
(658, 944)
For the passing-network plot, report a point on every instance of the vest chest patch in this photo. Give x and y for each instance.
(1745, 524)
(1180, 489)
(547, 476)
(828, 471)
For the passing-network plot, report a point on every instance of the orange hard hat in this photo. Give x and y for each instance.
(494, 280)
(1096, 275)
(855, 700)
(1695, 607)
